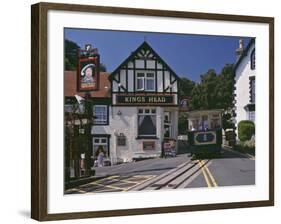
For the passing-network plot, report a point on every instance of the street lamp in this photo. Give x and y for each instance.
(78, 122)
(86, 110)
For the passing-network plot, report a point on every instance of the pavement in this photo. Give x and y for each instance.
(230, 169)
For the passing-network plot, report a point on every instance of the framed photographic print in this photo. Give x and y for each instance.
(139, 111)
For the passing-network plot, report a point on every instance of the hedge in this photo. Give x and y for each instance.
(246, 129)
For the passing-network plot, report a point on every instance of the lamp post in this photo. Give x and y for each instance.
(88, 117)
(72, 152)
(78, 123)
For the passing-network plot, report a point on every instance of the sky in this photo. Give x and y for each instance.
(188, 55)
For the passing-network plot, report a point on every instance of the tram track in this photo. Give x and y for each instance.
(178, 177)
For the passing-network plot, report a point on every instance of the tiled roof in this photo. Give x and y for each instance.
(70, 85)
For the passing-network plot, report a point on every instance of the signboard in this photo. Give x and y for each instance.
(149, 145)
(169, 147)
(147, 99)
(88, 72)
(182, 137)
(204, 138)
(184, 103)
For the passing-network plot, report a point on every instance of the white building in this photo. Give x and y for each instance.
(144, 109)
(245, 72)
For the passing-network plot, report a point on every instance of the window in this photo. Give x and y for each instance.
(140, 81)
(167, 124)
(100, 142)
(145, 81)
(204, 123)
(194, 126)
(68, 108)
(150, 82)
(101, 114)
(251, 115)
(253, 60)
(252, 89)
(121, 140)
(147, 122)
(215, 121)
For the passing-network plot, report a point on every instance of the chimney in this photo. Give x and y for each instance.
(239, 51)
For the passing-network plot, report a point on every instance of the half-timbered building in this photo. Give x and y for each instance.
(135, 108)
(144, 112)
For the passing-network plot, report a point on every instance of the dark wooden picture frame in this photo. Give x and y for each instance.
(39, 122)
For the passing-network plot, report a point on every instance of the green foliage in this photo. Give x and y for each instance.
(246, 129)
(250, 144)
(246, 147)
(185, 87)
(182, 124)
(71, 54)
(215, 91)
(102, 67)
(227, 122)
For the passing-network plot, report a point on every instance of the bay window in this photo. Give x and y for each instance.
(147, 122)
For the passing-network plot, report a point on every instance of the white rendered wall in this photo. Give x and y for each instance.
(127, 123)
(242, 91)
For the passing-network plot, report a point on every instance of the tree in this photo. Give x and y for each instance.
(102, 67)
(226, 87)
(215, 91)
(182, 123)
(71, 56)
(185, 87)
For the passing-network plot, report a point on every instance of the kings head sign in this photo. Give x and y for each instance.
(147, 99)
(88, 70)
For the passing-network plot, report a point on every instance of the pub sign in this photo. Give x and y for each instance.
(145, 99)
(88, 70)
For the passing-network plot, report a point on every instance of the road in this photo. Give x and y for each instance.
(230, 169)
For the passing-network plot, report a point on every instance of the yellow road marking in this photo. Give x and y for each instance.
(109, 186)
(204, 174)
(207, 174)
(149, 177)
(211, 176)
(126, 181)
(97, 181)
(76, 189)
(119, 188)
(107, 178)
(103, 190)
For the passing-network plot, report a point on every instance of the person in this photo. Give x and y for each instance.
(100, 156)
(88, 75)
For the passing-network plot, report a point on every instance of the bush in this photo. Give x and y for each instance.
(250, 144)
(246, 129)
